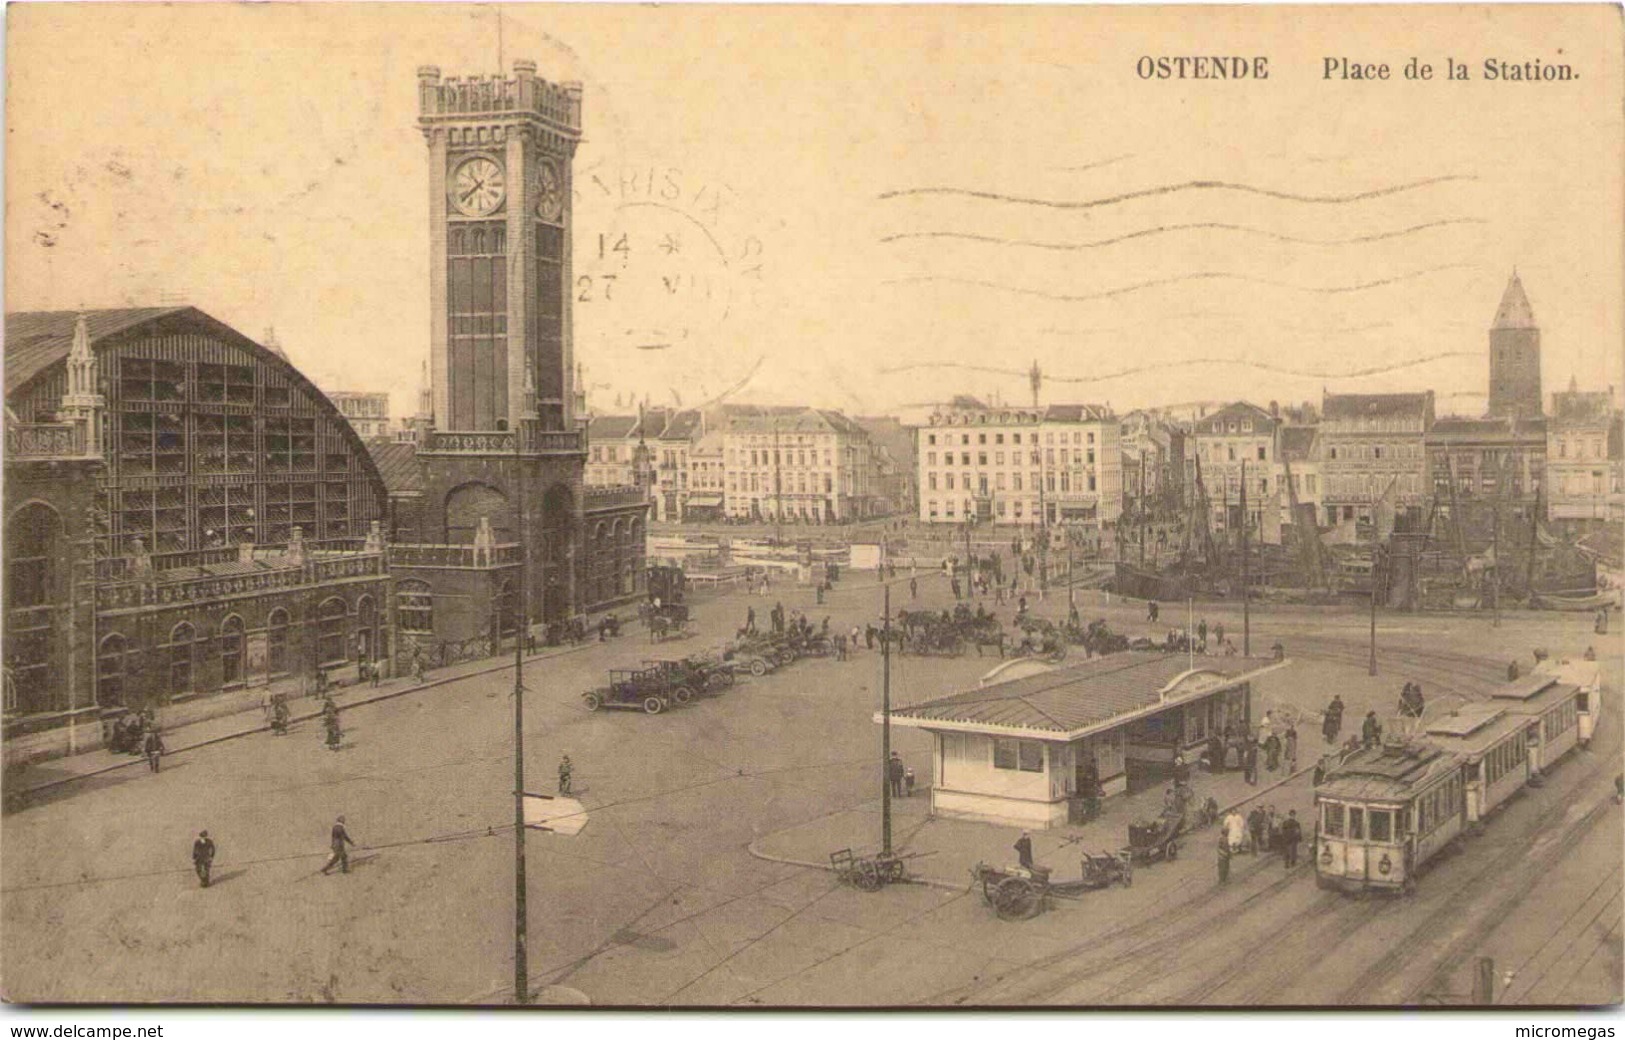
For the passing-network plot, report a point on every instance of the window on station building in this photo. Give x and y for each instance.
(330, 633)
(231, 651)
(276, 642)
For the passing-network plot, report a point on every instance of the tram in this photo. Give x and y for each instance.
(1387, 811)
(1587, 675)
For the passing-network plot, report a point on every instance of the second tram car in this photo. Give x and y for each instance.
(1386, 811)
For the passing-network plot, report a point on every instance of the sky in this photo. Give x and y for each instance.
(865, 209)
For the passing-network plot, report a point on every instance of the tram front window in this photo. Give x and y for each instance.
(1382, 825)
(1334, 820)
(1356, 823)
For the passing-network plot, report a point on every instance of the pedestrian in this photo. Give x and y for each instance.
(203, 857)
(750, 620)
(1291, 749)
(870, 633)
(1334, 718)
(908, 782)
(953, 583)
(819, 592)
(419, 669)
(566, 769)
(1272, 826)
(1291, 835)
(1021, 607)
(1255, 829)
(375, 673)
(894, 773)
(1272, 752)
(153, 748)
(279, 717)
(1151, 611)
(913, 588)
(1370, 730)
(854, 637)
(1251, 764)
(1218, 633)
(340, 842)
(1182, 768)
(1215, 754)
(1201, 631)
(335, 736)
(1224, 858)
(1235, 830)
(1601, 626)
(1024, 850)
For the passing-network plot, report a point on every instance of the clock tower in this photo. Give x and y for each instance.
(503, 431)
(500, 152)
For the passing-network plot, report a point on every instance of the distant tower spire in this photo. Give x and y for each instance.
(271, 343)
(1515, 356)
(1035, 377)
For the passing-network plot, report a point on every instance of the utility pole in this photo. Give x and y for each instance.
(1374, 568)
(778, 488)
(521, 965)
(1495, 551)
(885, 720)
(1246, 613)
(1142, 508)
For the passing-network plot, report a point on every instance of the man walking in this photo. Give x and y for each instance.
(1291, 749)
(1334, 719)
(1371, 730)
(913, 588)
(1151, 611)
(750, 620)
(894, 773)
(1291, 834)
(565, 770)
(340, 841)
(1251, 764)
(1255, 829)
(1224, 858)
(153, 747)
(203, 857)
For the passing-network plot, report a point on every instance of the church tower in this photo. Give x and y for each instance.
(1515, 357)
(504, 429)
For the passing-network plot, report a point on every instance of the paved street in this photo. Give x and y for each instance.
(660, 901)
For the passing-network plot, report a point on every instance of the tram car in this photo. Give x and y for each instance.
(1587, 675)
(1386, 812)
(1550, 710)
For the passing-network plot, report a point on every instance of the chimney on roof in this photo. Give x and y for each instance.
(1275, 409)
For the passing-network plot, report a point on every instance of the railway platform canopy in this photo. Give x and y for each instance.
(1030, 751)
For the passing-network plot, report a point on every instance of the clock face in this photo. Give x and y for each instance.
(477, 188)
(549, 191)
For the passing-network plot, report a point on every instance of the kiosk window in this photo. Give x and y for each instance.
(1032, 756)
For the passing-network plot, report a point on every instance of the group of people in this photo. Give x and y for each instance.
(1274, 750)
(899, 776)
(137, 733)
(1260, 831)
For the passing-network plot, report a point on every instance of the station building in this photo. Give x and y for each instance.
(1018, 752)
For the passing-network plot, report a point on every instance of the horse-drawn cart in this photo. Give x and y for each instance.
(1158, 839)
(1017, 893)
(868, 873)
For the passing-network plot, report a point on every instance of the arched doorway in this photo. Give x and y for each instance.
(110, 668)
(182, 644)
(331, 633)
(231, 651)
(558, 553)
(36, 588)
(276, 642)
(366, 630)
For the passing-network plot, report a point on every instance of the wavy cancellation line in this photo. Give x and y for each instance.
(1210, 225)
(1170, 189)
(1199, 276)
(1354, 373)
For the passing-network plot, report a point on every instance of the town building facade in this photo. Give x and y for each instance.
(1584, 460)
(1374, 445)
(1060, 464)
(801, 464)
(1238, 438)
(1300, 475)
(367, 412)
